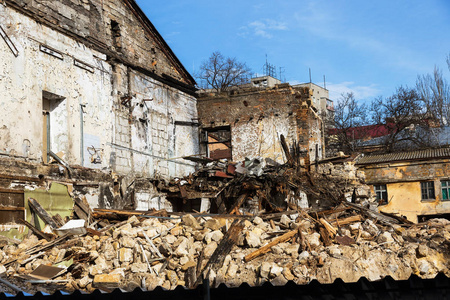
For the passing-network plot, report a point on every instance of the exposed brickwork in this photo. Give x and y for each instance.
(258, 117)
(135, 40)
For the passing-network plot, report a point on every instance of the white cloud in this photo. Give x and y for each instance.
(264, 28)
(361, 92)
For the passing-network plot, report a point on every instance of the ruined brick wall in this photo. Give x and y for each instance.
(96, 75)
(402, 182)
(257, 118)
(114, 26)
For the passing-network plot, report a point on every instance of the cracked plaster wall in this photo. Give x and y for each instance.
(257, 118)
(142, 138)
(24, 78)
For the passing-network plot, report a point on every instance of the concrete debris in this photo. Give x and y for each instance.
(257, 229)
(176, 251)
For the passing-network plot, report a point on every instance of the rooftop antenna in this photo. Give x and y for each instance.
(324, 83)
(310, 75)
(269, 69)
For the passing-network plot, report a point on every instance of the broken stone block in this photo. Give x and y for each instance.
(212, 224)
(170, 239)
(182, 249)
(139, 268)
(128, 230)
(370, 227)
(275, 271)
(166, 285)
(291, 249)
(184, 260)
(253, 238)
(314, 240)
(280, 280)
(107, 280)
(422, 251)
(232, 270)
(385, 237)
(303, 257)
(188, 264)
(285, 220)
(257, 221)
(176, 231)
(110, 254)
(210, 248)
(125, 255)
(264, 270)
(216, 236)
(172, 277)
(190, 221)
(288, 274)
(334, 250)
(424, 267)
(277, 249)
(152, 232)
(84, 281)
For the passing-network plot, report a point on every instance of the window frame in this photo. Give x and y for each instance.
(382, 189)
(428, 192)
(445, 187)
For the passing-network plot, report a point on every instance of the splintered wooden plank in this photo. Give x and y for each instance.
(226, 244)
(345, 221)
(266, 248)
(237, 204)
(42, 213)
(37, 232)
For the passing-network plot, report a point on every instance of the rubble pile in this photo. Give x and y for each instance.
(149, 251)
(267, 222)
(260, 185)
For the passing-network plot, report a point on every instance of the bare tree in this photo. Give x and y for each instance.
(349, 118)
(221, 73)
(406, 118)
(435, 92)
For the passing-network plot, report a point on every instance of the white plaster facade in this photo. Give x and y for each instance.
(82, 91)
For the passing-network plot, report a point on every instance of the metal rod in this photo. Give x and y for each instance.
(10, 285)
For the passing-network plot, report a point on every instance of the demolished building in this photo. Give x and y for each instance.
(91, 85)
(248, 121)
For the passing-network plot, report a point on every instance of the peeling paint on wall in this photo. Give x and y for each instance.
(258, 117)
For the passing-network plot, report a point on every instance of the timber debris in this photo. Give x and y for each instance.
(266, 222)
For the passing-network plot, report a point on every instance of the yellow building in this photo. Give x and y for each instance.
(414, 184)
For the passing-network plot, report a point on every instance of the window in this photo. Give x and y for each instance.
(381, 193)
(427, 190)
(445, 185)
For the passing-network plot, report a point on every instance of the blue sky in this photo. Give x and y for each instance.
(368, 47)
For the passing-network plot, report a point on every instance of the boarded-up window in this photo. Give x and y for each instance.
(218, 142)
(11, 206)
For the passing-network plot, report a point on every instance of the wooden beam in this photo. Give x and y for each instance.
(226, 244)
(42, 213)
(235, 208)
(12, 208)
(345, 221)
(331, 230)
(37, 232)
(266, 248)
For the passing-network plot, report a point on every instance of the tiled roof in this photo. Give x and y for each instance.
(401, 156)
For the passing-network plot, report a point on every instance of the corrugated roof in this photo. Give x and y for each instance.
(401, 156)
(387, 288)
